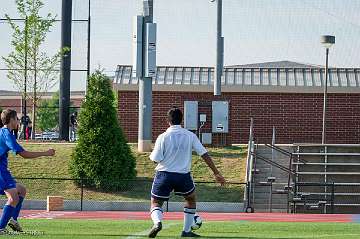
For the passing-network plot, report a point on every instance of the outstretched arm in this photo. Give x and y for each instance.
(10, 141)
(208, 160)
(30, 155)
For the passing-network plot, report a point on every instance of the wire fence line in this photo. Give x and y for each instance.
(132, 191)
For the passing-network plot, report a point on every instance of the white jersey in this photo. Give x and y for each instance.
(173, 150)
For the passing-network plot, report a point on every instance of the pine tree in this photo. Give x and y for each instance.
(102, 154)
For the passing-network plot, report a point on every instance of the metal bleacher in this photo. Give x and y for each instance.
(336, 164)
(303, 178)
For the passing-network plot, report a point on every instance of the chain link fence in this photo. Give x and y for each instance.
(47, 122)
(133, 195)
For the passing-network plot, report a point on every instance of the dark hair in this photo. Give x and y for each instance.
(1, 124)
(175, 116)
(7, 115)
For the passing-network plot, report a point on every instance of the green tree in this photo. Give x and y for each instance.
(27, 39)
(47, 114)
(102, 153)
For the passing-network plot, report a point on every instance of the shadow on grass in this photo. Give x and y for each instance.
(120, 235)
(123, 235)
(172, 237)
(251, 237)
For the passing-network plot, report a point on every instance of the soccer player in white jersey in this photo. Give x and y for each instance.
(173, 154)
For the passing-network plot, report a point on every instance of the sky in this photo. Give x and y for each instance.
(254, 31)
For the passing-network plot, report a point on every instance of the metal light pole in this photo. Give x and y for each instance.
(65, 67)
(24, 123)
(145, 90)
(327, 42)
(219, 49)
(88, 47)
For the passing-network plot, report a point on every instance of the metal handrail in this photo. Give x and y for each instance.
(283, 151)
(249, 170)
(279, 166)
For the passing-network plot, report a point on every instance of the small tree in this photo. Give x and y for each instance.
(41, 72)
(102, 153)
(47, 114)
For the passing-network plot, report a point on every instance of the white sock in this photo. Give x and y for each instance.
(156, 214)
(188, 218)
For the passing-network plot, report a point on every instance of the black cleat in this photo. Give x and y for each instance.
(15, 225)
(4, 231)
(189, 234)
(155, 229)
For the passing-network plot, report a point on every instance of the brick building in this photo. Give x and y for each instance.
(285, 95)
(13, 99)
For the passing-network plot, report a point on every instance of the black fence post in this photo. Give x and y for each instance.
(248, 206)
(248, 194)
(332, 197)
(271, 197)
(82, 194)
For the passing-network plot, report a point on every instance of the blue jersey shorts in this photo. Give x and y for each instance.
(166, 182)
(6, 181)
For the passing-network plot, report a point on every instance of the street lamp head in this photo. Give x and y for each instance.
(212, 0)
(327, 41)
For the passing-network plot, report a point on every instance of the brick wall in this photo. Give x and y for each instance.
(16, 103)
(296, 117)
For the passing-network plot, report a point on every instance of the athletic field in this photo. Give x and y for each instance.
(105, 225)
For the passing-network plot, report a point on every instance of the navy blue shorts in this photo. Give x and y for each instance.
(166, 182)
(6, 181)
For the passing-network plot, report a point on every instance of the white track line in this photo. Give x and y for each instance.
(46, 215)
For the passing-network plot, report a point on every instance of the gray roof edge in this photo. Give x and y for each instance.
(243, 67)
(278, 64)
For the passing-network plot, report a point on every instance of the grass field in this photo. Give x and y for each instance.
(101, 229)
(230, 160)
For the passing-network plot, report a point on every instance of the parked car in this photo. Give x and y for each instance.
(47, 135)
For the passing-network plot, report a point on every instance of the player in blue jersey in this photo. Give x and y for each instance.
(14, 191)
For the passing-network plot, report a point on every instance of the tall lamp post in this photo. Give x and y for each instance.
(219, 48)
(148, 58)
(327, 41)
(24, 118)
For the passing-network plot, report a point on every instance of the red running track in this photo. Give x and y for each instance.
(254, 217)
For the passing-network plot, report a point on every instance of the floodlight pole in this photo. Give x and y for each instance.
(327, 41)
(219, 50)
(24, 123)
(323, 141)
(64, 101)
(145, 90)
